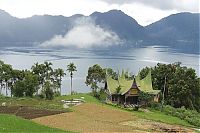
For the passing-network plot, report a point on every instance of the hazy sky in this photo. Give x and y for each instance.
(144, 11)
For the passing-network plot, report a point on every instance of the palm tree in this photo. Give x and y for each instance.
(59, 73)
(48, 69)
(71, 68)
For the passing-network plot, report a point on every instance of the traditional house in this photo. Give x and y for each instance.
(123, 91)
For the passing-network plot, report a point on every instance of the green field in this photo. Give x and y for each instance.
(9, 123)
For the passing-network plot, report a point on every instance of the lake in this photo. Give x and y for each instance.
(133, 59)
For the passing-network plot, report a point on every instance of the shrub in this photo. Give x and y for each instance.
(57, 93)
(191, 116)
(48, 91)
(155, 105)
(102, 95)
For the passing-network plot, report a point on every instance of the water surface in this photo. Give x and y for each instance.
(133, 59)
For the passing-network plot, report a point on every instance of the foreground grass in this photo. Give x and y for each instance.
(161, 117)
(9, 123)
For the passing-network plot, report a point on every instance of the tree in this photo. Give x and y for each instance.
(1, 76)
(71, 68)
(96, 74)
(7, 69)
(58, 74)
(181, 84)
(184, 89)
(48, 70)
(110, 72)
(18, 89)
(27, 86)
(32, 84)
(48, 91)
(39, 70)
(15, 75)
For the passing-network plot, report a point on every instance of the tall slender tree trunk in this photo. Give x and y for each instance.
(163, 95)
(6, 89)
(60, 84)
(71, 85)
(1, 88)
(60, 89)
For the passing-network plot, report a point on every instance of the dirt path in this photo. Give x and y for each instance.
(99, 118)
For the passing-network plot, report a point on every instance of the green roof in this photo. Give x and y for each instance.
(144, 85)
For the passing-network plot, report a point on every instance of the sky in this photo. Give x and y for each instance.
(144, 11)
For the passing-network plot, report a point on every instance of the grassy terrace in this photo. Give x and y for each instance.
(9, 123)
(33, 102)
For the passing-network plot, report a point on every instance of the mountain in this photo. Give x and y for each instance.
(181, 28)
(175, 29)
(125, 26)
(33, 29)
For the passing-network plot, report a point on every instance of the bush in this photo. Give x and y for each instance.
(191, 116)
(169, 110)
(42, 95)
(49, 94)
(155, 105)
(57, 93)
(48, 91)
(74, 93)
(102, 95)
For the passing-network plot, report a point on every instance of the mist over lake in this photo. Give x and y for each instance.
(133, 60)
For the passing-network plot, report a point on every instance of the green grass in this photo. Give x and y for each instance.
(161, 117)
(9, 123)
(54, 104)
(33, 102)
(156, 116)
(87, 97)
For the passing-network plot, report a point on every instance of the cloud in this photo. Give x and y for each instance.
(179, 5)
(84, 34)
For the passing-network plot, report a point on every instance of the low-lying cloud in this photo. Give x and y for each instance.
(84, 34)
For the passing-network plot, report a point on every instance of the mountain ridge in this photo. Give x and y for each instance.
(176, 28)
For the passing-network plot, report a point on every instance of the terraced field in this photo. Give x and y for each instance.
(27, 112)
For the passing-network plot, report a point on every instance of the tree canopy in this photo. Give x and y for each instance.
(182, 84)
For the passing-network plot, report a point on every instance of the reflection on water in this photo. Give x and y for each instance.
(132, 59)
